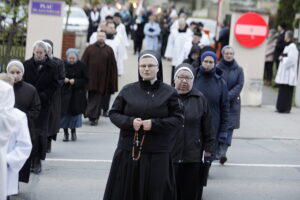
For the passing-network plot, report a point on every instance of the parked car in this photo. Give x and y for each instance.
(78, 21)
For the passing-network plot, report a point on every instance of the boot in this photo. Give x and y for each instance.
(73, 136)
(66, 135)
(37, 166)
(49, 146)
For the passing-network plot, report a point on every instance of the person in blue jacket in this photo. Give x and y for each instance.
(233, 75)
(152, 31)
(209, 81)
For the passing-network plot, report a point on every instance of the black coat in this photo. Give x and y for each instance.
(55, 109)
(28, 101)
(234, 77)
(196, 133)
(44, 80)
(214, 88)
(280, 44)
(74, 96)
(158, 102)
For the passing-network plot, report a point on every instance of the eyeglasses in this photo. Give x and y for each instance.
(149, 66)
(181, 78)
(208, 62)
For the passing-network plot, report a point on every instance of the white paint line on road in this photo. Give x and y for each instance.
(227, 164)
(78, 160)
(260, 165)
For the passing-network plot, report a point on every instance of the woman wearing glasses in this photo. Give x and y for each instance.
(194, 138)
(234, 76)
(209, 81)
(148, 114)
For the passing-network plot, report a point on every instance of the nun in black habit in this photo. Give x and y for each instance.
(148, 113)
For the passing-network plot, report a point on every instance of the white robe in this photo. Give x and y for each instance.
(287, 70)
(12, 123)
(175, 49)
(205, 39)
(18, 151)
(105, 11)
(7, 123)
(122, 30)
(118, 48)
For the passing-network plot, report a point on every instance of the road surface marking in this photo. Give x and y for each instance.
(227, 164)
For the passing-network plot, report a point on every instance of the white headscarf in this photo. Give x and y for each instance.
(16, 63)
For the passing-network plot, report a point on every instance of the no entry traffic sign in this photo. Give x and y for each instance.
(251, 30)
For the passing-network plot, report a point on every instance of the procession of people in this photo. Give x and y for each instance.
(170, 133)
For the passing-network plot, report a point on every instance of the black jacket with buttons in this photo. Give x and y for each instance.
(196, 134)
(158, 102)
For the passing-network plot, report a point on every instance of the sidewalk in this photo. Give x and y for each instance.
(264, 122)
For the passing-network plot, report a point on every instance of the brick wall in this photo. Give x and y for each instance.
(68, 42)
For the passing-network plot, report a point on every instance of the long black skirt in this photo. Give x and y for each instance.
(285, 98)
(150, 178)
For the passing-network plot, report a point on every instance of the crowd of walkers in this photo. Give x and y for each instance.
(169, 133)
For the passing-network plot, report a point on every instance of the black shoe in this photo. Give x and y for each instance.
(49, 146)
(73, 136)
(223, 159)
(94, 122)
(37, 168)
(66, 137)
(105, 114)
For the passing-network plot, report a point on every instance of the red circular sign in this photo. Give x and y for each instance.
(251, 30)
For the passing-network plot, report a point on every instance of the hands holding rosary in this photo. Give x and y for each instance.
(138, 122)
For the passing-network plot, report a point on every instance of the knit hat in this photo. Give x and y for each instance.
(16, 63)
(209, 53)
(73, 51)
(226, 47)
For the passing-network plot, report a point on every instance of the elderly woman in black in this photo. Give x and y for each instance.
(194, 138)
(28, 101)
(41, 72)
(148, 113)
(73, 94)
(233, 75)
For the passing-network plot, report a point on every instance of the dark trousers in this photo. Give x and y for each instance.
(138, 43)
(285, 98)
(187, 177)
(164, 42)
(105, 102)
(96, 102)
(41, 130)
(268, 73)
(172, 76)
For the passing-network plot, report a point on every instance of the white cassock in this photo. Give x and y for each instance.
(93, 38)
(118, 48)
(175, 49)
(105, 11)
(122, 30)
(15, 143)
(174, 26)
(287, 70)
(18, 151)
(205, 39)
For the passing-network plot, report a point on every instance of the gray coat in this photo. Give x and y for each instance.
(234, 76)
